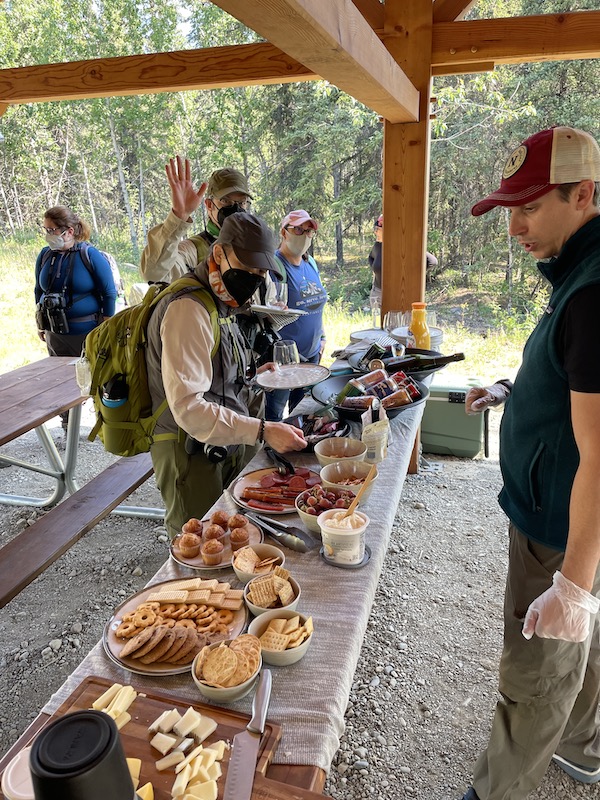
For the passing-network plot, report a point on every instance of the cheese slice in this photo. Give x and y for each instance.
(181, 782)
(168, 722)
(189, 758)
(104, 699)
(199, 772)
(204, 728)
(220, 747)
(146, 792)
(169, 760)
(202, 791)
(208, 758)
(153, 728)
(163, 742)
(184, 745)
(135, 766)
(214, 771)
(122, 719)
(187, 723)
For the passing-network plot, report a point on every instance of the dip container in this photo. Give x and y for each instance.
(343, 545)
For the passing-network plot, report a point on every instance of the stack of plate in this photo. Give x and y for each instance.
(401, 335)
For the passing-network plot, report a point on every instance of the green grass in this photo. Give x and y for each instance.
(490, 354)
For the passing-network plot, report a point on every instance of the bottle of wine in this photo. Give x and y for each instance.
(421, 363)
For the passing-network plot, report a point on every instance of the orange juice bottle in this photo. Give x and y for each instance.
(419, 327)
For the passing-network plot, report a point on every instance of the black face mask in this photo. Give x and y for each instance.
(240, 284)
(223, 213)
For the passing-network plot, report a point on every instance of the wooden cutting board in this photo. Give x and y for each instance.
(147, 707)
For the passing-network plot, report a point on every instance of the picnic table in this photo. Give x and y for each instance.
(309, 698)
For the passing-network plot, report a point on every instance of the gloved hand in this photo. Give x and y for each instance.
(481, 397)
(562, 612)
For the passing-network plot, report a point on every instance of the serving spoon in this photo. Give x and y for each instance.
(361, 491)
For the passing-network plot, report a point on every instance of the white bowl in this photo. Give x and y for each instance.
(328, 451)
(257, 610)
(226, 694)
(332, 474)
(310, 520)
(279, 658)
(262, 551)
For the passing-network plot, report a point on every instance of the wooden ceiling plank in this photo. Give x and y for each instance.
(334, 40)
(547, 37)
(209, 68)
(451, 10)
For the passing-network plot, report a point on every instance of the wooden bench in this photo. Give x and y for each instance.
(32, 551)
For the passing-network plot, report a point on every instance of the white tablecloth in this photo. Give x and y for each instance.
(309, 698)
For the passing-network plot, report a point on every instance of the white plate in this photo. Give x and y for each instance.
(256, 537)
(269, 310)
(292, 376)
(373, 335)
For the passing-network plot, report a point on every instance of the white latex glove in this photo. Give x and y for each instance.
(481, 397)
(562, 612)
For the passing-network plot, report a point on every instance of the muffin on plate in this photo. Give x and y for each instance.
(213, 532)
(239, 537)
(193, 525)
(188, 545)
(212, 552)
(219, 518)
(237, 521)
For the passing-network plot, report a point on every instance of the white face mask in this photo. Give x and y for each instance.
(297, 245)
(55, 242)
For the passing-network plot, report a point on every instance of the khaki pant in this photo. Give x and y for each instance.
(550, 689)
(191, 484)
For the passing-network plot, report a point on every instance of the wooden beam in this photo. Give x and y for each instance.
(451, 10)
(514, 40)
(463, 69)
(3, 108)
(334, 40)
(373, 11)
(210, 68)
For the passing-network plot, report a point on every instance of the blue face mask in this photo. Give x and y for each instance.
(55, 242)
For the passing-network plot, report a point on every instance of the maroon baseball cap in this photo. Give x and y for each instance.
(540, 164)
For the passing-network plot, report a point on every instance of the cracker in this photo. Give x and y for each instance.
(262, 595)
(297, 642)
(270, 640)
(219, 665)
(286, 594)
(279, 625)
(247, 555)
(291, 625)
(242, 671)
(198, 596)
(281, 572)
(308, 626)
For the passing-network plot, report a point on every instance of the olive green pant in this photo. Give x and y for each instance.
(550, 688)
(191, 484)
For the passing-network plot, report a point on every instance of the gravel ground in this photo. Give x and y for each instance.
(424, 691)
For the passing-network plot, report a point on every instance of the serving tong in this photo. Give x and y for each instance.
(289, 535)
(282, 465)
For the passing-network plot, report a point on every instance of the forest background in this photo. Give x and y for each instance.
(302, 145)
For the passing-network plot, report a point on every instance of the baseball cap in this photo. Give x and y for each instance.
(225, 181)
(379, 221)
(298, 218)
(252, 241)
(541, 163)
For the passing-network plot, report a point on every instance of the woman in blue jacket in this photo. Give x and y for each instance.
(72, 298)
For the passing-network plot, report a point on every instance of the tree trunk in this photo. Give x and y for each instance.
(7, 208)
(142, 198)
(339, 240)
(509, 263)
(63, 171)
(123, 183)
(88, 192)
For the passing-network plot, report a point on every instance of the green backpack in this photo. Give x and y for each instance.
(116, 351)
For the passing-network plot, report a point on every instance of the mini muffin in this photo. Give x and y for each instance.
(237, 521)
(212, 552)
(188, 545)
(213, 532)
(193, 525)
(239, 537)
(220, 518)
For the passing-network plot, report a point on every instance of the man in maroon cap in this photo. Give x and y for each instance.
(550, 462)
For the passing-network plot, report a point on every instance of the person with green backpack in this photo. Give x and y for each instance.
(212, 433)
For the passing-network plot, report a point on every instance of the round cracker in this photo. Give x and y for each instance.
(243, 669)
(219, 665)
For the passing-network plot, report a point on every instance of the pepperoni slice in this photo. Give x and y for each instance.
(303, 472)
(314, 480)
(268, 481)
(297, 483)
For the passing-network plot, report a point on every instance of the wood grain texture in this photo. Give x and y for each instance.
(210, 68)
(451, 10)
(548, 37)
(334, 40)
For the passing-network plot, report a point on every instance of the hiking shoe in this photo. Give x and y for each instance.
(471, 794)
(581, 774)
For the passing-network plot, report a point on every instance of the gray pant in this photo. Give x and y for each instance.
(550, 688)
(191, 484)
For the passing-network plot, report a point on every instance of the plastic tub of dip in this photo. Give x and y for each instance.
(343, 537)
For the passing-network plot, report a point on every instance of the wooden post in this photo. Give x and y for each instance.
(407, 36)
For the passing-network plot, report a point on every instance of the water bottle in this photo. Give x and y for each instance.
(115, 409)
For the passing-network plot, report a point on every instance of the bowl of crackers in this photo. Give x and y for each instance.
(256, 559)
(275, 590)
(284, 636)
(226, 671)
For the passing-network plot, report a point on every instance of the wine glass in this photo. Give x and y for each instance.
(392, 320)
(285, 352)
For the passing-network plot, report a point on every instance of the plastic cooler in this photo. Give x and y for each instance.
(446, 429)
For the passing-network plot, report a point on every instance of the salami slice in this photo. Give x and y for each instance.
(314, 480)
(297, 483)
(302, 472)
(268, 481)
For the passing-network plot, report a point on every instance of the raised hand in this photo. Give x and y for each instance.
(185, 199)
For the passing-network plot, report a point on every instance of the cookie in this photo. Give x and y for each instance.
(161, 648)
(157, 635)
(136, 643)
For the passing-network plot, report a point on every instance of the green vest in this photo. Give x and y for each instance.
(538, 453)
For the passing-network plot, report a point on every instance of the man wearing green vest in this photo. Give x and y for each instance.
(197, 361)
(550, 462)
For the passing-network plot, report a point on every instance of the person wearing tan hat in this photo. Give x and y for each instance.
(550, 462)
(208, 392)
(306, 293)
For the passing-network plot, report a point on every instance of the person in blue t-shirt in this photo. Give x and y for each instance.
(306, 293)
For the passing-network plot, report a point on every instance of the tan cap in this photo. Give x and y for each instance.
(227, 181)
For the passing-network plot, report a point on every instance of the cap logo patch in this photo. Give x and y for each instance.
(515, 161)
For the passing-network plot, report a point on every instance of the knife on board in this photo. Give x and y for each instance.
(244, 753)
(290, 536)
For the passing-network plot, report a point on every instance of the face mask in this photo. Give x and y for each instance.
(240, 284)
(55, 242)
(223, 213)
(297, 245)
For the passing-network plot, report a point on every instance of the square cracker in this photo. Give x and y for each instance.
(291, 625)
(270, 640)
(262, 595)
(286, 594)
(281, 572)
(278, 625)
